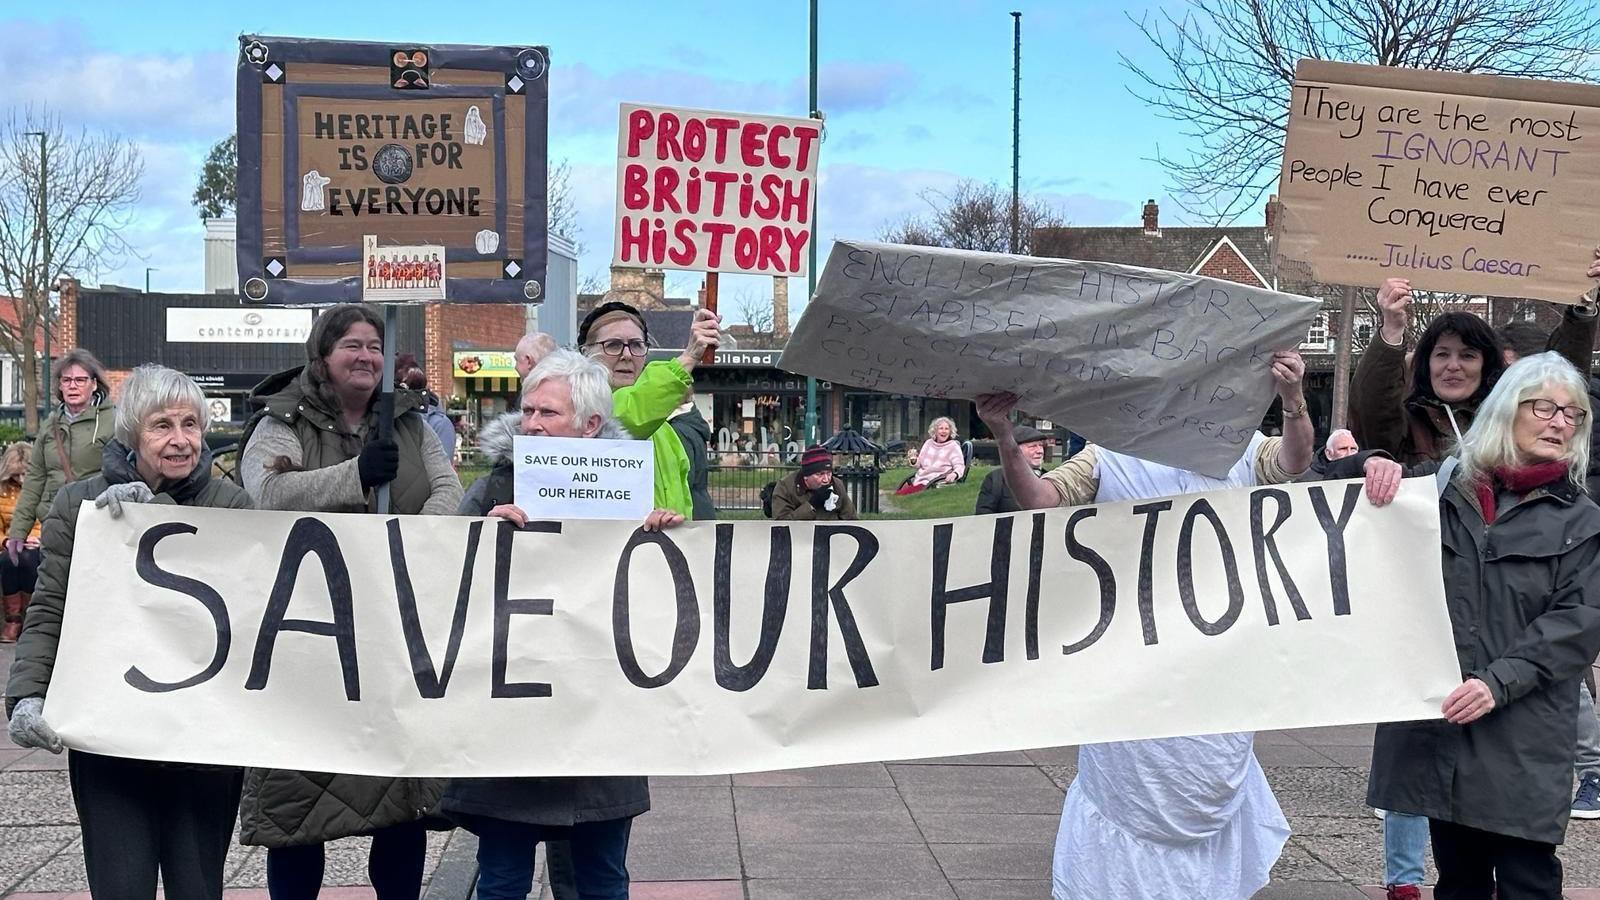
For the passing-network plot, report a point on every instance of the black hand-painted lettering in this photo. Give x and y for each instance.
(431, 682)
(685, 633)
(309, 536)
(506, 606)
(1338, 571)
(1147, 547)
(821, 595)
(996, 590)
(154, 575)
(1102, 572)
(774, 605)
(1201, 509)
(1030, 625)
(1262, 544)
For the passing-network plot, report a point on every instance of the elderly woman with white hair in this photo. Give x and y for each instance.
(566, 395)
(138, 817)
(1521, 552)
(940, 461)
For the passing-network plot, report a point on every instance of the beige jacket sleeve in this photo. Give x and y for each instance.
(1075, 480)
(331, 487)
(1269, 469)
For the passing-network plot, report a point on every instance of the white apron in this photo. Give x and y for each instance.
(1188, 818)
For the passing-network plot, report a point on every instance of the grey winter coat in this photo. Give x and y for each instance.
(1526, 621)
(36, 648)
(538, 801)
(695, 434)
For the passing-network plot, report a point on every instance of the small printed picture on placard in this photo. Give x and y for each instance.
(219, 409)
(401, 274)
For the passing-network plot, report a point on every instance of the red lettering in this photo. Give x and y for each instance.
(666, 184)
(683, 254)
(718, 231)
(771, 243)
(745, 248)
(640, 125)
(635, 246)
(797, 242)
(720, 181)
(802, 154)
(667, 140)
(750, 144)
(721, 126)
(767, 206)
(778, 133)
(634, 195)
(796, 203)
(658, 243)
(694, 140)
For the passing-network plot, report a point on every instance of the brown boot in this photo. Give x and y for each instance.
(13, 605)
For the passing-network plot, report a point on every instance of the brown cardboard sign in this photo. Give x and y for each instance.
(435, 151)
(1468, 183)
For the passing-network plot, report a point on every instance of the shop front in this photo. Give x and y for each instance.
(485, 385)
(755, 409)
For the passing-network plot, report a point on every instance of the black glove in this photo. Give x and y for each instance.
(819, 496)
(378, 463)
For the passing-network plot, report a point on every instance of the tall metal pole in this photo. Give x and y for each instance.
(811, 268)
(44, 239)
(1016, 129)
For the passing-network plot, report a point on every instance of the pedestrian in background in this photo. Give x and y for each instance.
(993, 495)
(17, 576)
(812, 494)
(138, 817)
(315, 446)
(695, 432)
(69, 445)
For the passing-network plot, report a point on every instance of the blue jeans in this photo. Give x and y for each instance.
(505, 857)
(1405, 840)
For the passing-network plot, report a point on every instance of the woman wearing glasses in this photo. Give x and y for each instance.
(1521, 552)
(646, 395)
(68, 448)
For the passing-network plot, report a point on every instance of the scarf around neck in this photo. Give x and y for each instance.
(1518, 480)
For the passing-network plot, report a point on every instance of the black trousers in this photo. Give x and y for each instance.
(141, 817)
(20, 575)
(1478, 865)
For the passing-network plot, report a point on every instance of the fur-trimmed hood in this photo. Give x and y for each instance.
(495, 438)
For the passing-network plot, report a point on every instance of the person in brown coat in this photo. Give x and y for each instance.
(811, 495)
(17, 577)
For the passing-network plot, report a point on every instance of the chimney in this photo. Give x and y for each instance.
(1152, 217)
(65, 334)
(640, 288)
(655, 287)
(1274, 214)
(780, 307)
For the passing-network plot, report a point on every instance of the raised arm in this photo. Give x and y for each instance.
(1031, 491)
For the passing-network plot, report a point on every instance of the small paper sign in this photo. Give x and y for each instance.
(403, 274)
(577, 478)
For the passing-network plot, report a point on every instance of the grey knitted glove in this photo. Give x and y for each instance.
(28, 729)
(112, 498)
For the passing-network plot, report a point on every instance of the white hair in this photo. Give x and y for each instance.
(150, 389)
(1328, 447)
(934, 426)
(589, 382)
(1492, 441)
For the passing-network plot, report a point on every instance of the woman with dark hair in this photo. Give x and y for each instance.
(408, 373)
(69, 444)
(17, 577)
(315, 446)
(1416, 416)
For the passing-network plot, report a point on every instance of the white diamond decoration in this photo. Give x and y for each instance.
(512, 269)
(274, 72)
(275, 268)
(515, 84)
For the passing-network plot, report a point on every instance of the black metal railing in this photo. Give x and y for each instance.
(735, 478)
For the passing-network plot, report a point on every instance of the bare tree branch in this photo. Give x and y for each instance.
(975, 216)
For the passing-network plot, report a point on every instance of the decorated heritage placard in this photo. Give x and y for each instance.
(440, 147)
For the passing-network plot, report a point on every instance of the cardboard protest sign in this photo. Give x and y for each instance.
(438, 646)
(1168, 367)
(584, 478)
(714, 191)
(438, 152)
(1467, 183)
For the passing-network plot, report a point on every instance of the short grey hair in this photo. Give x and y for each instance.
(1491, 441)
(150, 389)
(589, 381)
(1328, 446)
(535, 345)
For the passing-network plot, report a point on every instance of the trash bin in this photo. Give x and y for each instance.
(860, 485)
(860, 468)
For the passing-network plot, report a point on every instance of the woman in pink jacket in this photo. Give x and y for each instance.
(940, 460)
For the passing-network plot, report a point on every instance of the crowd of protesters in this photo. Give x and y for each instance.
(1501, 420)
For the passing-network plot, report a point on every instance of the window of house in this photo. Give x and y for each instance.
(1317, 336)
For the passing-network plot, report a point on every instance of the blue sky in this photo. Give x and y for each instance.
(917, 95)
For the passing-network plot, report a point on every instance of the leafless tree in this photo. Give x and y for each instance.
(90, 184)
(1226, 66)
(756, 312)
(561, 211)
(974, 215)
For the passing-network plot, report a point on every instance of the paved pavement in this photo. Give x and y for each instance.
(966, 828)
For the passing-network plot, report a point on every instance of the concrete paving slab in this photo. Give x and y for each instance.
(1061, 776)
(972, 777)
(958, 799)
(1335, 735)
(909, 864)
(62, 872)
(36, 798)
(680, 860)
(1309, 890)
(1360, 757)
(24, 850)
(868, 889)
(1027, 862)
(1320, 791)
(1004, 758)
(699, 814)
(816, 799)
(685, 890)
(864, 775)
(1293, 755)
(1297, 864)
(677, 781)
(39, 761)
(1001, 890)
(993, 828)
(1054, 756)
(774, 825)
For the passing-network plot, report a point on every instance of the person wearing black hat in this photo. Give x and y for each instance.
(811, 495)
(645, 396)
(995, 496)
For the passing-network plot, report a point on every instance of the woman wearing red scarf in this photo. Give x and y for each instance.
(1521, 554)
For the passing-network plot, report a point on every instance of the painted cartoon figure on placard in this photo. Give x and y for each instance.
(311, 191)
(475, 130)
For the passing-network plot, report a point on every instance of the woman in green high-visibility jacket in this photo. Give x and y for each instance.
(645, 395)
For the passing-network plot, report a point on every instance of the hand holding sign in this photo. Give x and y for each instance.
(1394, 301)
(704, 336)
(511, 513)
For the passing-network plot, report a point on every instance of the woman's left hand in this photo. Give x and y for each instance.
(1468, 703)
(662, 519)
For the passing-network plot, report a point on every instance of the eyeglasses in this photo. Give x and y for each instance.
(76, 380)
(614, 347)
(1547, 409)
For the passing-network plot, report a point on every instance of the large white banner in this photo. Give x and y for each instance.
(1165, 366)
(453, 646)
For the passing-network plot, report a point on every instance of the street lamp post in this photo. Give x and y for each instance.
(1016, 129)
(44, 240)
(811, 270)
